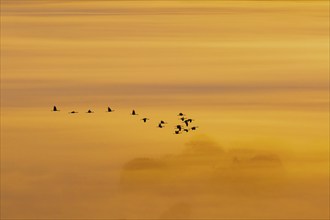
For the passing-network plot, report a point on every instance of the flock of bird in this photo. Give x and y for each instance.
(183, 126)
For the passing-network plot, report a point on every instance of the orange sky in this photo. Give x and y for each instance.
(254, 75)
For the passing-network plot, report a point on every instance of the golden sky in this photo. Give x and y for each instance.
(253, 74)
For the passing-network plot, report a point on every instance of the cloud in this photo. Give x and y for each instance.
(203, 166)
(22, 92)
(61, 8)
(143, 164)
(202, 145)
(181, 210)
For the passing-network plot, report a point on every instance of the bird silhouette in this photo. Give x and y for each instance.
(190, 120)
(179, 127)
(145, 119)
(55, 109)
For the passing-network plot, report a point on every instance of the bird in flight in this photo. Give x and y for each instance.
(179, 127)
(190, 120)
(145, 119)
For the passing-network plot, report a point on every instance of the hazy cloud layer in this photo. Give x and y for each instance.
(204, 180)
(253, 74)
(55, 7)
(204, 167)
(224, 181)
(24, 92)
